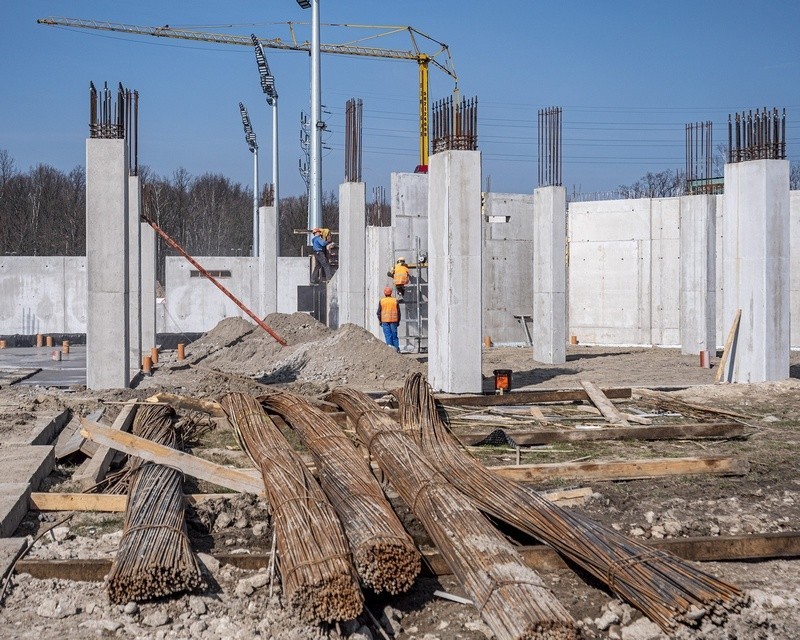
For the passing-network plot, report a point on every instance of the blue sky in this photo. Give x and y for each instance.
(628, 75)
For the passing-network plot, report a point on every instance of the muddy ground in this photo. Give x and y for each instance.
(236, 357)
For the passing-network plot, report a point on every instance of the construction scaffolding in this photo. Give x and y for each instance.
(413, 329)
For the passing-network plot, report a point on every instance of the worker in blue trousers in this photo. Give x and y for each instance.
(322, 261)
(389, 317)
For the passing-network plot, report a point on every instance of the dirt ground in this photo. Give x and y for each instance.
(236, 357)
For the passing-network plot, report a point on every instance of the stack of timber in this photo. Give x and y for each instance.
(510, 597)
(318, 577)
(384, 554)
(155, 557)
(667, 589)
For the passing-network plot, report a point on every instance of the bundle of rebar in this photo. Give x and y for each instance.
(385, 556)
(155, 557)
(667, 589)
(313, 558)
(509, 596)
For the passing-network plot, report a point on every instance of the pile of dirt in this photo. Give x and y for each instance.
(313, 354)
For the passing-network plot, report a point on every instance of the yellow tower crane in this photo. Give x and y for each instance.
(440, 57)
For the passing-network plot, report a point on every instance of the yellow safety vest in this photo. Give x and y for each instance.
(401, 274)
(390, 310)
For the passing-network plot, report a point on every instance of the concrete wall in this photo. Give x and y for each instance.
(378, 256)
(350, 276)
(42, 295)
(409, 214)
(507, 265)
(292, 272)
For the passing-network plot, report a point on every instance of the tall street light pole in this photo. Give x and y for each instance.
(317, 125)
(268, 87)
(250, 139)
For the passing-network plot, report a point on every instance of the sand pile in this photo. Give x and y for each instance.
(314, 353)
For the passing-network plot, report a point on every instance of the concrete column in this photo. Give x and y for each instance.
(409, 197)
(148, 291)
(352, 252)
(698, 300)
(107, 327)
(756, 269)
(378, 259)
(454, 272)
(268, 260)
(135, 272)
(549, 334)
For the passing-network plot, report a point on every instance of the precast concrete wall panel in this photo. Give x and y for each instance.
(409, 215)
(665, 276)
(193, 304)
(507, 265)
(379, 254)
(292, 273)
(794, 266)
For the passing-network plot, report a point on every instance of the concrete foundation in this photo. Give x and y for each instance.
(268, 252)
(351, 275)
(507, 258)
(454, 272)
(148, 291)
(756, 269)
(378, 256)
(107, 251)
(135, 272)
(698, 238)
(549, 275)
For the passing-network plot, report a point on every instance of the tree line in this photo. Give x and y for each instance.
(43, 212)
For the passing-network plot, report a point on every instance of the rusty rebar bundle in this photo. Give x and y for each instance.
(116, 119)
(549, 146)
(454, 125)
(352, 139)
(385, 556)
(665, 588)
(759, 136)
(155, 557)
(509, 596)
(314, 560)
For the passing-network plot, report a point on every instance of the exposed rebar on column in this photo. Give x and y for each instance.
(378, 212)
(352, 140)
(700, 158)
(115, 121)
(455, 125)
(759, 136)
(549, 147)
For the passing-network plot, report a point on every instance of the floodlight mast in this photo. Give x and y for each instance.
(250, 139)
(269, 89)
(317, 125)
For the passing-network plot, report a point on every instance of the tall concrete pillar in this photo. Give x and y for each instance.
(107, 326)
(378, 258)
(756, 269)
(268, 260)
(698, 294)
(454, 272)
(351, 275)
(549, 275)
(135, 272)
(409, 215)
(148, 290)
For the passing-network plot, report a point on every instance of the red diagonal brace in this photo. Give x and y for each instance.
(174, 244)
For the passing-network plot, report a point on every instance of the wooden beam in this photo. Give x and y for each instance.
(70, 440)
(599, 400)
(192, 404)
(94, 469)
(235, 479)
(660, 432)
(726, 351)
(625, 469)
(106, 502)
(527, 397)
(767, 546)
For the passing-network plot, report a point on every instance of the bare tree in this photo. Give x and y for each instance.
(664, 184)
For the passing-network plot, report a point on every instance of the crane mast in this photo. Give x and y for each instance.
(423, 60)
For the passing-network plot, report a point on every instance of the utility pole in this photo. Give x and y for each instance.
(250, 138)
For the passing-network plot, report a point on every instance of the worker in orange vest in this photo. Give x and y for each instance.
(389, 317)
(401, 277)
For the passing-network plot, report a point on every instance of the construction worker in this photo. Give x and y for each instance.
(389, 317)
(401, 277)
(321, 261)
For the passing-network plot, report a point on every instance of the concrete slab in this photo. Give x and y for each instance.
(13, 506)
(13, 376)
(30, 464)
(41, 432)
(10, 549)
(69, 371)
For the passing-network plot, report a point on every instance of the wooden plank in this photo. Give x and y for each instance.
(625, 469)
(767, 546)
(70, 439)
(527, 397)
(191, 404)
(537, 414)
(661, 432)
(105, 502)
(726, 352)
(605, 406)
(94, 469)
(235, 479)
